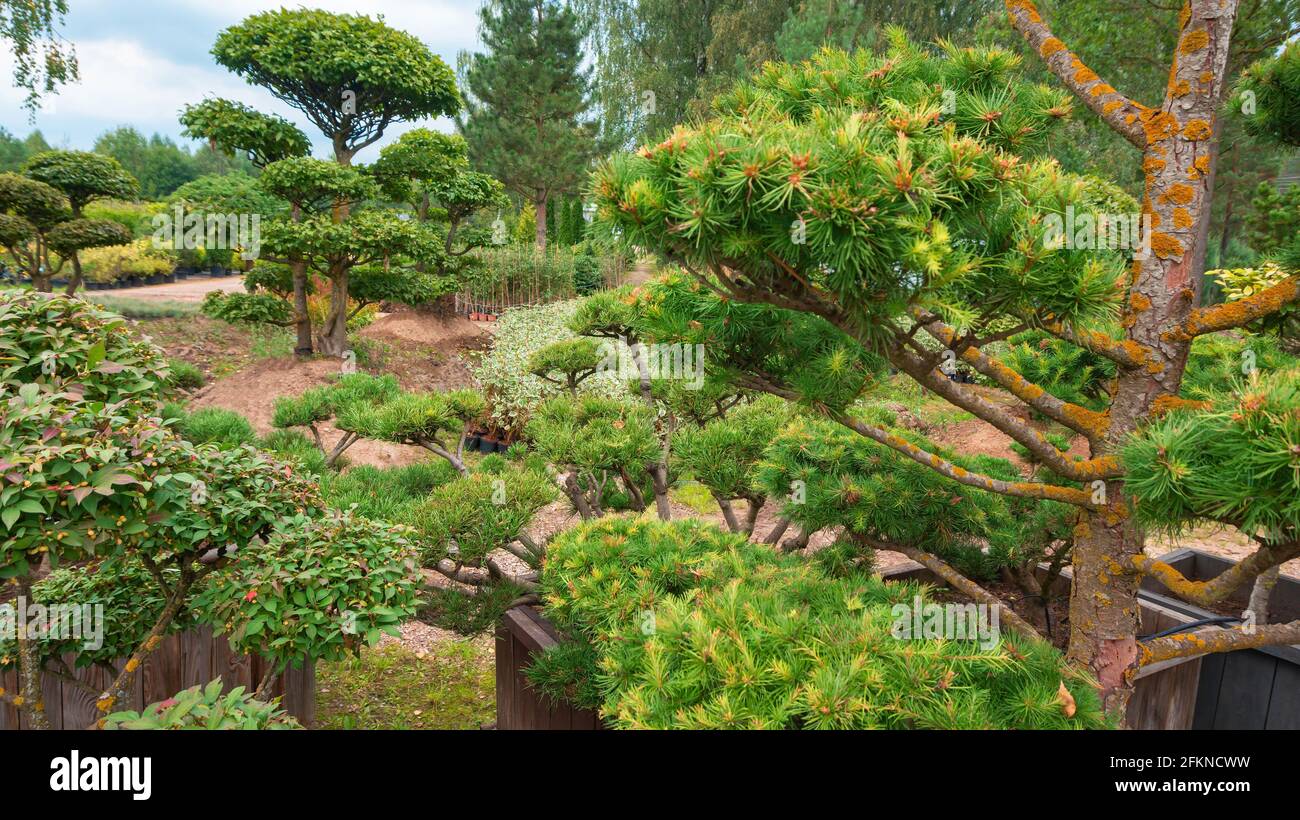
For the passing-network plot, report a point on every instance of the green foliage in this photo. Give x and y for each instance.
(1267, 96)
(216, 425)
(347, 395)
(1274, 220)
(593, 434)
(131, 602)
(724, 454)
(386, 493)
(1237, 462)
(319, 590)
(513, 392)
(307, 58)
(315, 184)
(829, 476)
(235, 193)
(234, 128)
(247, 308)
(466, 519)
(587, 275)
(67, 344)
(67, 238)
(470, 614)
(810, 181)
(292, 447)
(424, 418)
(691, 627)
(1066, 371)
(109, 264)
(205, 707)
(1239, 283)
(1218, 362)
(572, 360)
(82, 176)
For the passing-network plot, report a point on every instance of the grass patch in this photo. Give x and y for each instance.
(141, 309)
(271, 342)
(694, 495)
(452, 687)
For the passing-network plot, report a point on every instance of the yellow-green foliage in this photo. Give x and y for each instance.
(688, 627)
(140, 259)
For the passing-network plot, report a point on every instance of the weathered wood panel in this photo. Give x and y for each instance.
(183, 660)
(522, 634)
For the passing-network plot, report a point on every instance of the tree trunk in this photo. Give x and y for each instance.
(1178, 161)
(301, 317)
(539, 203)
(74, 281)
(334, 334)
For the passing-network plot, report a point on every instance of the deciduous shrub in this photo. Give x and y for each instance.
(205, 707)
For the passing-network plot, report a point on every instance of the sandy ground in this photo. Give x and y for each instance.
(190, 290)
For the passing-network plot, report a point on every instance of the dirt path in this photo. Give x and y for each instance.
(190, 290)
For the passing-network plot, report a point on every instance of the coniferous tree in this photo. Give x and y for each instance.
(526, 98)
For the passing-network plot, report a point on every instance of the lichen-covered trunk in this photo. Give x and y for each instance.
(1178, 163)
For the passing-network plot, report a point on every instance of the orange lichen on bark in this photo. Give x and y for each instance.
(1194, 41)
(1180, 193)
(1139, 301)
(1110, 107)
(1051, 46)
(1031, 13)
(1158, 125)
(1184, 16)
(1182, 218)
(1165, 246)
(1236, 314)
(1197, 130)
(1200, 167)
(1153, 165)
(1101, 90)
(1165, 404)
(1182, 88)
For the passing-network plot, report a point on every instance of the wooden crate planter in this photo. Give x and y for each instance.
(523, 633)
(1249, 689)
(183, 660)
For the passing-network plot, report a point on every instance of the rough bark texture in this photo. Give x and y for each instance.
(1178, 156)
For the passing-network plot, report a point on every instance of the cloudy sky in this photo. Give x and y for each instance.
(143, 60)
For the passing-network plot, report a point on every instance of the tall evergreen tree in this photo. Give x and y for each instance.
(526, 97)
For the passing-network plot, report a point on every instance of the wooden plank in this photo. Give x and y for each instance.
(79, 710)
(233, 668)
(1284, 706)
(1244, 692)
(299, 688)
(196, 660)
(1166, 700)
(1211, 683)
(504, 674)
(163, 670)
(8, 714)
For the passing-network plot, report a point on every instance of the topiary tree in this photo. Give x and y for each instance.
(681, 625)
(573, 360)
(839, 193)
(429, 171)
(438, 422)
(348, 402)
(725, 453)
(596, 440)
(29, 210)
(82, 177)
(233, 128)
(352, 77)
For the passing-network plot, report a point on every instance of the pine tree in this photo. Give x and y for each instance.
(526, 98)
(839, 193)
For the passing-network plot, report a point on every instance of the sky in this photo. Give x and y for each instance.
(142, 61)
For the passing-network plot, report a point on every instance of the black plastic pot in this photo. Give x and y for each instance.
(169, 278)
(487, 444)
(502, 446)
(472, 441)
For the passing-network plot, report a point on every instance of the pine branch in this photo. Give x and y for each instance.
(1240, 313)
(1087, 422)
(1215, 639)
(1205, 593)
(1126, 117)
(957, 581)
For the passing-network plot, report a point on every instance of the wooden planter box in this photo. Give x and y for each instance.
(522, 634)
(183, 660)
(1248, 689)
